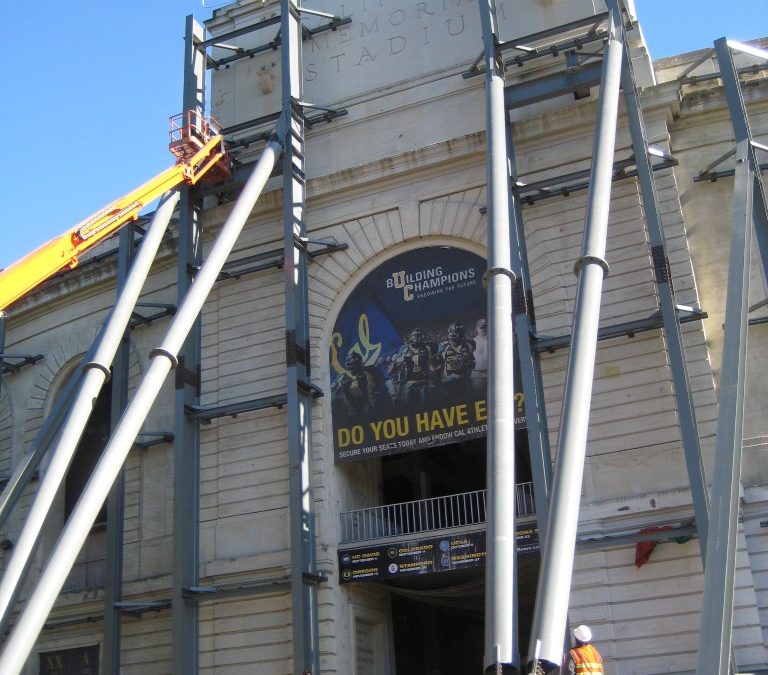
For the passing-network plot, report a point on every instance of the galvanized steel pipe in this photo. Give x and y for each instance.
(26, 630)
(96, 372)
(550, 616)
(501, 640)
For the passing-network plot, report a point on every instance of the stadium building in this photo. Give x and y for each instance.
(315, 486)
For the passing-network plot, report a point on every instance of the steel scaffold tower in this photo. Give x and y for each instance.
(557, 502)
(181, 350)
(750, 214)
(299, 391)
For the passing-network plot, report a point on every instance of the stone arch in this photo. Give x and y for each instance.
(456, 219)
(56, 368)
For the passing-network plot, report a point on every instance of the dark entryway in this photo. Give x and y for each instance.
(436, 640)
(438, 628)
(439, 619)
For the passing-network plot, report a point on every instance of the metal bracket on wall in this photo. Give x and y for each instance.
(686, 78)
(139, 609)
(220, 41)
(139, 319)
(577, 181)
(709, 175)
(156, 438)
(536, 45)
(21, 361)
(206, 413)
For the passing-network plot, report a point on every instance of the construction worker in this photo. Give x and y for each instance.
(584, 659)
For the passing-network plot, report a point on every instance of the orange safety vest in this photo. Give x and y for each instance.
(587, 660)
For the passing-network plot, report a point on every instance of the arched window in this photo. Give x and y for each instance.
(88, 570)
(92, 443)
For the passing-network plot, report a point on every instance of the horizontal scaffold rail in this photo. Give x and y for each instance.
(206, 413)
(322, 115)
(564, 185)
(567, 184)
(628, 329)
(535, 45)
(259, 262)
(138, 319)
(220, 41)
(233, 590)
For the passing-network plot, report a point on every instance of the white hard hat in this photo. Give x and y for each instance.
(582, 633)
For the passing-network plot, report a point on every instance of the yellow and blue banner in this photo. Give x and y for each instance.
(409, 356)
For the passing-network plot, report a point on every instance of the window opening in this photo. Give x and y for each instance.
(89, 449)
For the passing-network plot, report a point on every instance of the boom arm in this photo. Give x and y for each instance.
(203, 152)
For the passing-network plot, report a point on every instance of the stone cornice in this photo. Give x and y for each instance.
(69, 286)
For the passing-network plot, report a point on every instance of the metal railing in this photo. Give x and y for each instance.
(438, 513)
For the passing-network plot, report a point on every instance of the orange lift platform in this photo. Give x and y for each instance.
(198, 146)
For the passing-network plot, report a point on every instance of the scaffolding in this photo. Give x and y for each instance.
(750, 215)
(511, 312)
(558, 499)
(181, 351)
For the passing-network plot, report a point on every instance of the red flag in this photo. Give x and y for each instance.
(643, 549)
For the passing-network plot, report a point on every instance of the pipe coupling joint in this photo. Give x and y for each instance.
(502, 270)
(159, 351)
(98, 366)
(590, 260)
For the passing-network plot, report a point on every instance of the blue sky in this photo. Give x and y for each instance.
(89, 86)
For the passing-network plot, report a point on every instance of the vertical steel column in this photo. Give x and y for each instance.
(113, 582)
(741, 130)
(501, 646)
(186, 446)
(299, 398)
(530, 368)
(749, 208)
(550, 616)
(667, 304)
(530, 364)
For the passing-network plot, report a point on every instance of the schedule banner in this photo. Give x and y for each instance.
(424, 556)
(409, 356)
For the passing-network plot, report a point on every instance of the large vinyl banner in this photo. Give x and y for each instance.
(409, 356)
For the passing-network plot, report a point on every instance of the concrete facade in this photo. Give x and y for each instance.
(405, 169)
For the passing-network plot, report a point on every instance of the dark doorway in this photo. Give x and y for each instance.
(439, 619)
(434, 472)
(436, 640)
(432, 637)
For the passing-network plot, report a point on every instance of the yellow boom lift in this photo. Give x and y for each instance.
(198, 146)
